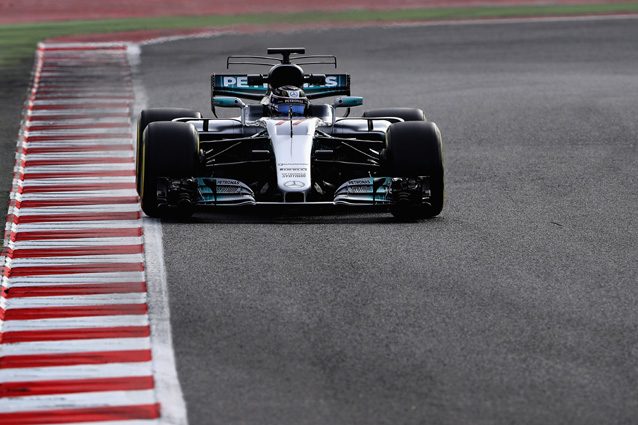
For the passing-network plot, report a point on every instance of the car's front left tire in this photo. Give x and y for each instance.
(415, 149)
(406, 114)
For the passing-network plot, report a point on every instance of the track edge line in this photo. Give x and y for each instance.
(167, 386)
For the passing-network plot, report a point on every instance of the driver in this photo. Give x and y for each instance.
(287, 101)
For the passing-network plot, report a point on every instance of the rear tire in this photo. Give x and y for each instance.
(171, 149)
(415, 149)
(148, 116)
(406, 114)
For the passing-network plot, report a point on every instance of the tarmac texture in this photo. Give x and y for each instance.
(517, 305)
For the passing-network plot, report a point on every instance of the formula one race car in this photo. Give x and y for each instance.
(287, 150)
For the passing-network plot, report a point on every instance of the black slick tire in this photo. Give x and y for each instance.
(171, 149)
(415, 149)
(406, 114)
(148, 116)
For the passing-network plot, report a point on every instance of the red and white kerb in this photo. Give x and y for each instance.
(74, 330)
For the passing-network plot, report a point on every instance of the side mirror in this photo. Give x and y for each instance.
(228, 102)
(348, 101)
(345, 102)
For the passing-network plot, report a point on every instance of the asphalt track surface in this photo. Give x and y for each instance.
(13, 91)
(517, 305)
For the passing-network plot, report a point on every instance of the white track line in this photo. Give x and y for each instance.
(75, 346)
(77, 121)
(78, 209)
(76, 168)
(167, 387)
(78, 194)
(76, 401)
(68, 280)
(97, 110)
(82, 259)
(73, 301)
(71, 112)
(113, 277)
(72, 131)
(77, 145)
(75, 101)
(75, 322)
(75, 225)
(67, 243)
(124, 422)
(70, 181)
(83, 142)
(74, 155)
(109, 370)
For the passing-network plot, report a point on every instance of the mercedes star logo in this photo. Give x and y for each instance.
(294, 184)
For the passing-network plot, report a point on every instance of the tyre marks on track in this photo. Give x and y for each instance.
(74, 331)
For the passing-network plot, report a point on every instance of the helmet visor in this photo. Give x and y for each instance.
(297, 109)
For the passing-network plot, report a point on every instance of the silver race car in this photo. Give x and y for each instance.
(286, 149)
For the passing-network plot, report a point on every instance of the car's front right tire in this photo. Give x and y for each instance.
(170, 149)
(148, 116)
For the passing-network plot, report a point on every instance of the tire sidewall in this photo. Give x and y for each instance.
(406, 114)
(148, 116)
(171, 149)
(415, 149)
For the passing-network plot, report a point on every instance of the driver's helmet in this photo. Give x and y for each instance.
(288, 100)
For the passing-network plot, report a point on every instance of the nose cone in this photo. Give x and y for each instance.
(292, 152)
